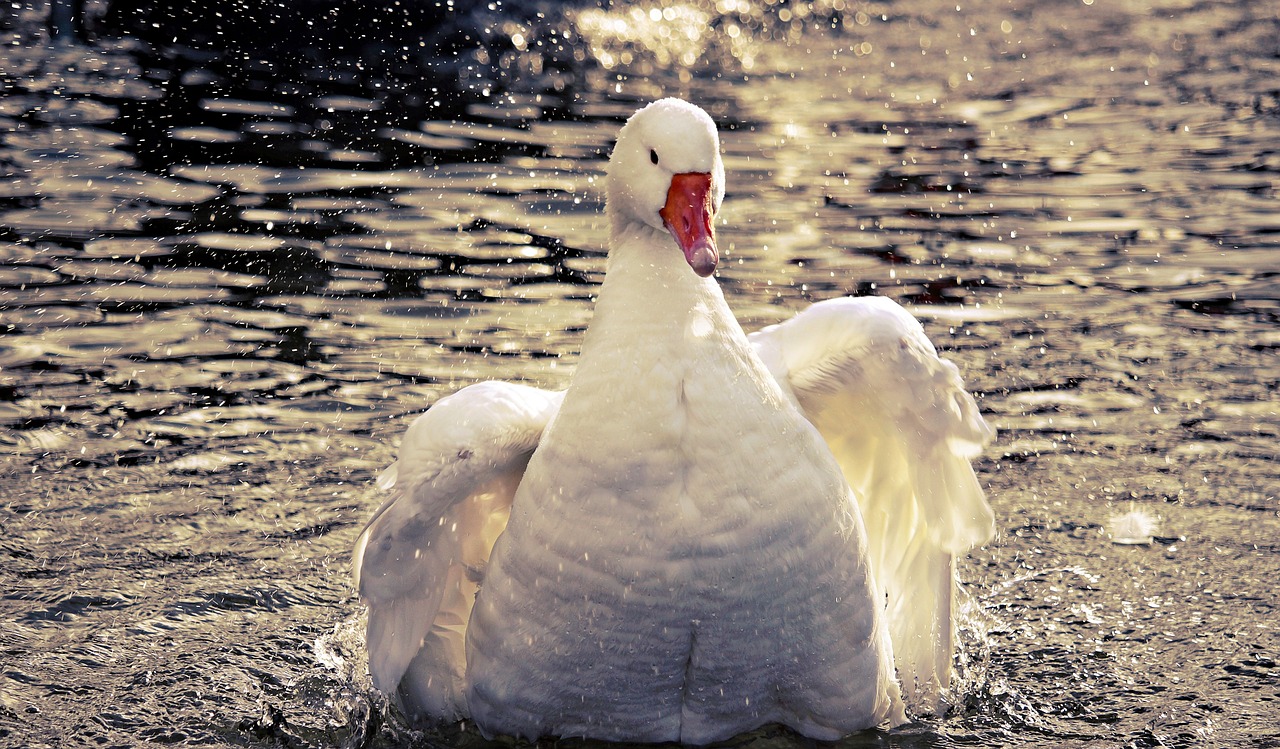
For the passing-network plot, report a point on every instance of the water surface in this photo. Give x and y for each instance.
(229, 281)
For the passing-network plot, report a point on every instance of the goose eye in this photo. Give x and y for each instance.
(653, 156)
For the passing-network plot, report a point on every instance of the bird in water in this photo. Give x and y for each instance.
(706, 532)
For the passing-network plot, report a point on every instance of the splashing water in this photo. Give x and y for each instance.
(228, 281)
(1132, 528)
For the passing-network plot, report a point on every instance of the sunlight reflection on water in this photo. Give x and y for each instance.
(220, 299)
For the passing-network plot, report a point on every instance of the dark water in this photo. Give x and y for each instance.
(228, 281)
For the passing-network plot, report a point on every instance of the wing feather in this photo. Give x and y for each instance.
(903, 428)
(419, 560)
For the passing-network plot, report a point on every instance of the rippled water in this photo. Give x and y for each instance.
(228, 281)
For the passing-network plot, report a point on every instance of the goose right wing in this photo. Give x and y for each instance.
(419, 562)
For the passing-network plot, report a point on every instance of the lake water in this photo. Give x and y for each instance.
(227, 282)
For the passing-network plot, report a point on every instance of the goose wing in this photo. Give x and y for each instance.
(419, 561)
(904, 429)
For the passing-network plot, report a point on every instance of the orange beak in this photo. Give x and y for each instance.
(687, 215)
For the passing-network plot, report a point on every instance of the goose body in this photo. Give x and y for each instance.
(676, 547)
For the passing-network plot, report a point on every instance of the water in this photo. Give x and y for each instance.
(228, 281)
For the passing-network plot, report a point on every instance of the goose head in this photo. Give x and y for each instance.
(666, 173)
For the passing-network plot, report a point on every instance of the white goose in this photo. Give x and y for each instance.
(706, 532)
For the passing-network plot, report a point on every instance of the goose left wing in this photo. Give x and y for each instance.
(419, 561)
(903, 429)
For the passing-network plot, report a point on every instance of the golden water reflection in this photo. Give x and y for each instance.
(221, 301)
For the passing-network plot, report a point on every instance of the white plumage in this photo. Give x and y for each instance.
(705, 532)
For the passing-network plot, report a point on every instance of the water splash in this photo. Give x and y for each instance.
(1135, 527)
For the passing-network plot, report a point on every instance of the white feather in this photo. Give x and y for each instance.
(418, 561)
(903, 428)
